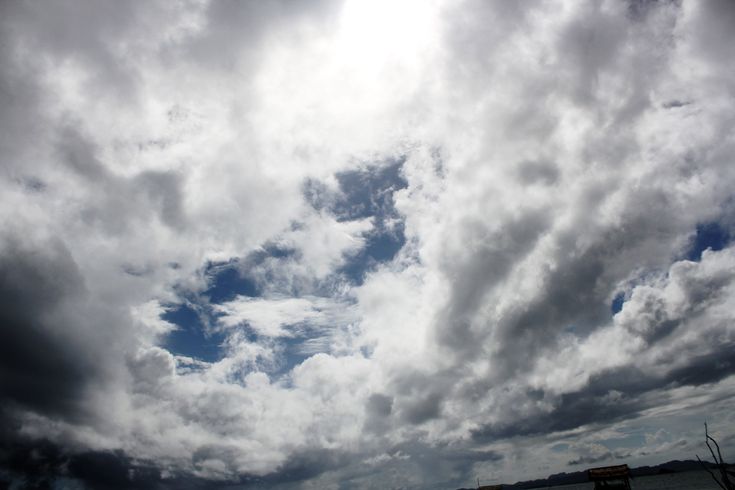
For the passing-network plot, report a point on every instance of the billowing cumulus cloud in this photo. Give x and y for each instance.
(347, 244)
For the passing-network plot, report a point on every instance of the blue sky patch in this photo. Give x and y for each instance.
(381, 246)
(369, 192)
(561, 447)
(227, 281)
(192, 338)
(291, 356)
(617, 303)
(365, 193)
(709, 235)
(230, 279)
(631, 440)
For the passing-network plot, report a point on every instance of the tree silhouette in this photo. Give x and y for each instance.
(725, 474)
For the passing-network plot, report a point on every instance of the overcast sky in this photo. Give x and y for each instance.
(363, 244)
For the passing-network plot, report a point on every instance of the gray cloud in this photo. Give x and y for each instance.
(379, 408)
(236, 29)
(546, 159)
(44, 367)
(539, 171)
(121, 200)
(486, 268)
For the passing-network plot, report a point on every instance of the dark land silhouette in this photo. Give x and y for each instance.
(675, 466)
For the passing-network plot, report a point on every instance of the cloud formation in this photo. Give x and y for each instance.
(428, 241)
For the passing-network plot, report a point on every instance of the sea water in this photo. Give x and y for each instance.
(690, 480)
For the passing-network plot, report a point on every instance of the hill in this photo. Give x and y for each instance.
(674, 466)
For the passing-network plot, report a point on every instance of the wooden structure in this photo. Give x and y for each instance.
(610, 477)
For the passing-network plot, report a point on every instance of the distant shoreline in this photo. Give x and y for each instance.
(558, 479)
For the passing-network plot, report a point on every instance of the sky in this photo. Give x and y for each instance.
(354, 244)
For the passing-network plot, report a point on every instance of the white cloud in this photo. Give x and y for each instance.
(283, 317)
(556, 154)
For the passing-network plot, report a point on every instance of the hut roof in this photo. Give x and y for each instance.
(606, 472)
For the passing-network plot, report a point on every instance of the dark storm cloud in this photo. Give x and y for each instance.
(706, 368)
(43, 367)
(615, 395)
(56, 354)
(571, 411)
(55, 344)
(305, 465)
(42, 464)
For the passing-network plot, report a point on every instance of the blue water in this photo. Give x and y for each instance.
(691, 480)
